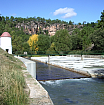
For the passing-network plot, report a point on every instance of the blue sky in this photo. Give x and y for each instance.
(74, 10)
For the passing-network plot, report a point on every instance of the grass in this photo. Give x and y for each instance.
(29, 76)
(12, 83)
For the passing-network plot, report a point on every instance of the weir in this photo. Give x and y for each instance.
(69, 91)
(45, 72)
(90, 66)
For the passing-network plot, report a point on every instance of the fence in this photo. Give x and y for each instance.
(96, 52)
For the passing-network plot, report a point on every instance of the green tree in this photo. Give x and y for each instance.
(61, 48)
(17, 44)
(0, 18)
(62, 41)
(51, 50)
(2, 27)
(43, 43)
(39, 19)
(98, 39)
(26, 47)
(101, 22)
(70, 22)
(76, 42)
(11, 18)
(81, 38)
(79, 23)
(85, 36)
(48, 21)
(84, 23)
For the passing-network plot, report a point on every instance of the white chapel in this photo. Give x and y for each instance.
(6, 42)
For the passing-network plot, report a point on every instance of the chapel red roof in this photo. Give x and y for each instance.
(5, 34)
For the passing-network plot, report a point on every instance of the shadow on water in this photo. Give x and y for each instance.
(48, 72)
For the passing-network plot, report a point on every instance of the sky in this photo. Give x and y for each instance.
(66, 10)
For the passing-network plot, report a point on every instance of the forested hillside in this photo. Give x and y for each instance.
(53, 36)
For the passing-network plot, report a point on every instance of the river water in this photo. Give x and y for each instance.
(83, 91)
(48, 72)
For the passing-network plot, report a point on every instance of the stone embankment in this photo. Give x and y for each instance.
(37, 94)
(91, 65)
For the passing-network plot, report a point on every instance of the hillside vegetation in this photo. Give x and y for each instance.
(12, 83)
(53, 36)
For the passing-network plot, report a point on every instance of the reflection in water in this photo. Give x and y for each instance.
(48, 72)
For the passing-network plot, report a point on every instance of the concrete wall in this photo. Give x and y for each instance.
(31, 66)
(38, 94)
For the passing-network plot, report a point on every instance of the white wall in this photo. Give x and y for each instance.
(6, 41)
(6, 44)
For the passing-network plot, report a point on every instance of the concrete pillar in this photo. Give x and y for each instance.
(31, 67)
(48, 58)
(82, 56)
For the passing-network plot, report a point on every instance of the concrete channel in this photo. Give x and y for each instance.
(37, 94)
(91, 65)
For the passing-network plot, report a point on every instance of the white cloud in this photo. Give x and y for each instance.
(68, 15)
(69, 12)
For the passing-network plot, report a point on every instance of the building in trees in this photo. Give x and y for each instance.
(6, 42)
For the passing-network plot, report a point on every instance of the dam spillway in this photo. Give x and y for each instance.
(92, 67)
(48, 72)
(83, 91)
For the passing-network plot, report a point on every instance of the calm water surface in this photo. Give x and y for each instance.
(84, 91)
(48, 72)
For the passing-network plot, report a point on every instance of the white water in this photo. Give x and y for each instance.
(87, 64)
(84, 91)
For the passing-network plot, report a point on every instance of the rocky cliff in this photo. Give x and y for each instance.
(35, 27)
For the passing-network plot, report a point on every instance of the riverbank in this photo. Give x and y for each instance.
(91, 67)
(12, 83)
(37, 94)
(17, 86)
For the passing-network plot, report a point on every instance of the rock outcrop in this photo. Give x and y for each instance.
(35, 27)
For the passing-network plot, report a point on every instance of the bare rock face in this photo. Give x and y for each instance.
(35, 27)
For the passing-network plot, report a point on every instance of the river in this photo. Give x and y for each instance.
(83, 91)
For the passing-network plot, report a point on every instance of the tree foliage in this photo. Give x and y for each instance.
(43, 43)
(98, 39)
(61, 40)
(79, 38)
(33, 42)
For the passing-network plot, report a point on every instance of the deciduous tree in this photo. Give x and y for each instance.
(98, 39)
(62, 40)
(33, 42)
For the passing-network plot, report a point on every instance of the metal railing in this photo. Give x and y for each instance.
(53, 53)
